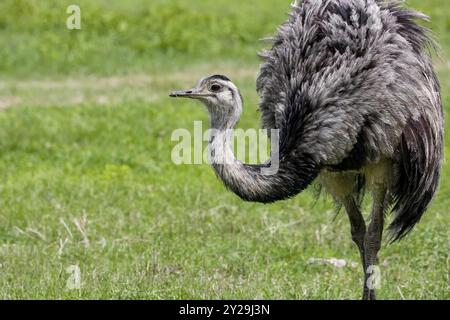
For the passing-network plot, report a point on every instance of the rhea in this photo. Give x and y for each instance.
(350, 87)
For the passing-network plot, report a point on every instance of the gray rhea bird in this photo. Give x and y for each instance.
(351, 88)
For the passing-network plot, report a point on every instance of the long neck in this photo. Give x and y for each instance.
(259, 183)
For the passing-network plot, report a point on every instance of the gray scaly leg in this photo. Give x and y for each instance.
(372, 242)
(357, 225)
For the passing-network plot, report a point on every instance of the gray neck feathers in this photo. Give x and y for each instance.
(242, 179)
(248, 181)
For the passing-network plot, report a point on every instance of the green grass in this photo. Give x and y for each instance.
(86, 177)
(144, 36)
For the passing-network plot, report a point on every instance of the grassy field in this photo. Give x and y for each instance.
(86, 177)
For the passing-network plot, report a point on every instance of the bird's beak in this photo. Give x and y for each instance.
(191, 93)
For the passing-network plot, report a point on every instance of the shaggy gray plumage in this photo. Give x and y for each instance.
(353, 79)
(351, 88)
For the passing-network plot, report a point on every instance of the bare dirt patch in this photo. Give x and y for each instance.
(141, 88)
(6, 102)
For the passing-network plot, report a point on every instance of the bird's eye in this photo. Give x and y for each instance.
(215, 87)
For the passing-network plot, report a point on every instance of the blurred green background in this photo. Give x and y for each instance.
(119, 36)
(139, 36)
(86, 178)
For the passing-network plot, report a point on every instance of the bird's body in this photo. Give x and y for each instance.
(352, 91)
(368, 93)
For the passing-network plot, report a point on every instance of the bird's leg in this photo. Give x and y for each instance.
(357, 225)
(372, 242)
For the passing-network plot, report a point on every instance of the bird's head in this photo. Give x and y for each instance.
(220, 96)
